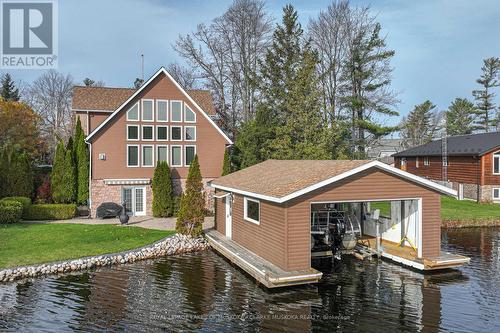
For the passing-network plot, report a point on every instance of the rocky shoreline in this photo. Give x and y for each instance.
(171, 245)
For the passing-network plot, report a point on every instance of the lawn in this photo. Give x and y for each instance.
(468, 213)
(26, 244)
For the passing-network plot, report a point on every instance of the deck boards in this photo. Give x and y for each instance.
(262, 270)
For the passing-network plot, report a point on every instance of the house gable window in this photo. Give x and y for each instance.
(189, 133)
(132, 132)
(147, 155)
(147, 110)
(176, 133)
(132, 156)
(176, 111)
(251, 208)
(189, 152)
(426, 161)
(176, 156)
(162, 133)
(496, 163)
(162, 153)
(161, 110)
(147, 132)
(133, 113)
(189, 115)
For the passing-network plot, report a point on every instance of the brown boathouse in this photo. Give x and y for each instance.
(272, 216)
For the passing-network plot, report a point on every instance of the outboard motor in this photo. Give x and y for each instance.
(337, 231)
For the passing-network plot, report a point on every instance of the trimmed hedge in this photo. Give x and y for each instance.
(10, 211)
(25, 201)
(50, 212)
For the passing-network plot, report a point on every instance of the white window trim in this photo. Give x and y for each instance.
(138, 157)
(138, 112)
(495, 155)
(426, 161)
(157, 136)
(493, 193)
(185, 146)
(403, 161)
(138, 132)
(152, 109)
(168, 153)
(185, 136)
(445, 164)
(172, 156)
(171, 131)
(184, 115)
(416, 162)
(152, 156)
(245, 217)
(152, 132)
(171, 112)
(168, 104)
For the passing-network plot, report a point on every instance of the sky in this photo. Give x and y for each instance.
(439, 45)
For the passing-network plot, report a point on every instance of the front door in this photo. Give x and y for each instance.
(135, 200)
(228, 217)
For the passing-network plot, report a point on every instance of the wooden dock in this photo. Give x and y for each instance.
(407, 256)
(260, 269)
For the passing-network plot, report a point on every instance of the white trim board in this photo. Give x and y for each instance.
(372, 164)
(138, 91)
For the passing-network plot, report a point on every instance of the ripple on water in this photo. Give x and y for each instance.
(204, 292)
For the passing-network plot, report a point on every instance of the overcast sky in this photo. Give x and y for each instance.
(439, 44)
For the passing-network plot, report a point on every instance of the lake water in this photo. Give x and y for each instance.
(204, 292)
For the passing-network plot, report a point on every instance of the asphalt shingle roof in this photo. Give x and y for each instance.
(460, 145)
(278, 178)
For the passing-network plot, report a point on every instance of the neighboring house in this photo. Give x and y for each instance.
(473, 166)
(383, 149)
(129, 130)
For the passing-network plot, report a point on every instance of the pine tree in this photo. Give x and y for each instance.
(57, 175)
(485, 97)
(460, 117)
(226, 165)
(69, 178)
(420, 126)
(191, 212)
(163, 192)
(9, 90)
(368, 77)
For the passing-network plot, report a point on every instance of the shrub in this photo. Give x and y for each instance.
(43, 192)
(191, 212)
(23, 200)
(50, 212)
(10, 211)
(163, 201)
(16, 175)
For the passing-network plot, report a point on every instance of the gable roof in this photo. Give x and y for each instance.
(110, 98)
(460, 145)
(282, 180)
(204, 98)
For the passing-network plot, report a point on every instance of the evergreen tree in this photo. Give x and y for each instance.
(20, 182)
(420, 126)
(82, 172)
(4, 170)
(460, 117)
(226, 165)
(57, 175)
(485, 97)
(9, 90)
(69, 178)
(367, 78)
(191, 212)
(163, 192)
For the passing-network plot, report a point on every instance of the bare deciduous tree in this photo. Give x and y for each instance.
(50, 96)
(185, 76)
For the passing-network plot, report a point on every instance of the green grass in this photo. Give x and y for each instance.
(26, 244)
(458, 213)
(384, 206)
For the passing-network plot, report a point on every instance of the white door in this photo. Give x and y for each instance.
(135, 200)
(228, 217)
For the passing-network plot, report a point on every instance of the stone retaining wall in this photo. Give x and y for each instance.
(171, 245)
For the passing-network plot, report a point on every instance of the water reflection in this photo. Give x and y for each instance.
(204, 292)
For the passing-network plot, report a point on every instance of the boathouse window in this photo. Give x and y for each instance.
(252, 210)
(496, 163)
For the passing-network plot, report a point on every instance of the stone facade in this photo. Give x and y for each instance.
(471, 191)
(101, 192)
